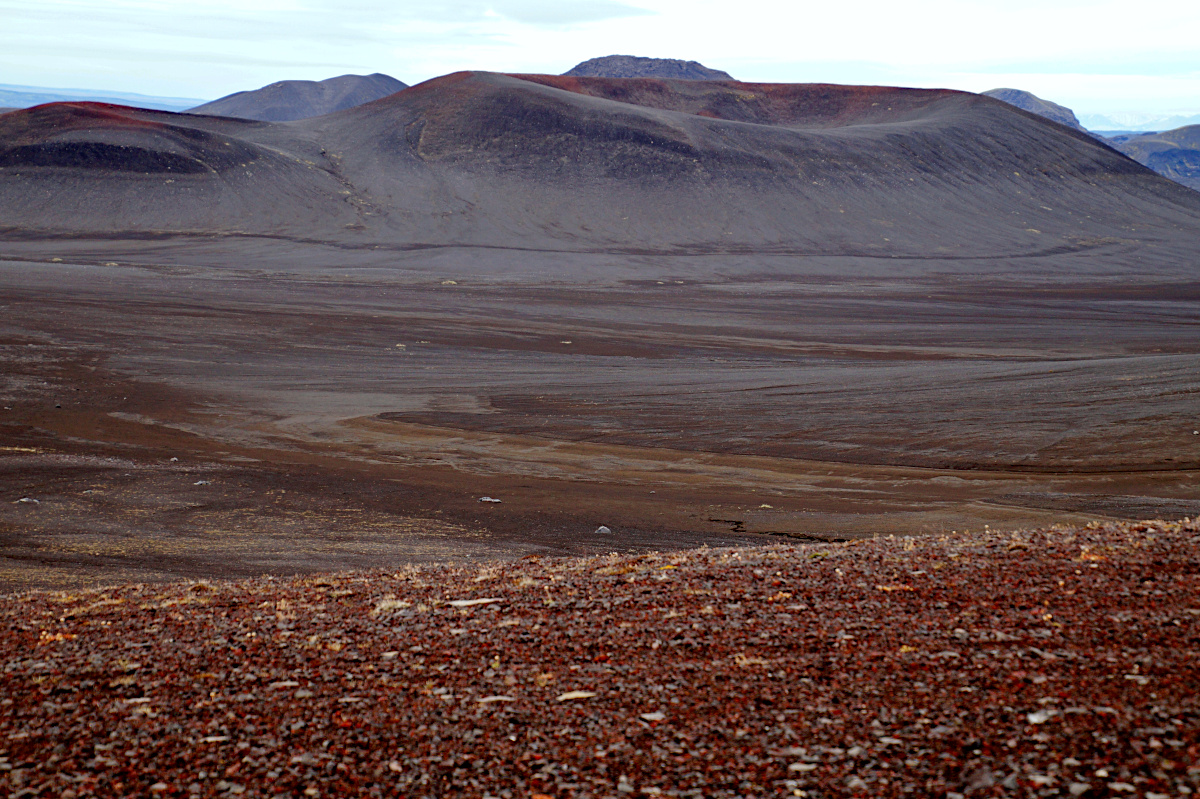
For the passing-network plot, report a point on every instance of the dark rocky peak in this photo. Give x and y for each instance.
(629, 66)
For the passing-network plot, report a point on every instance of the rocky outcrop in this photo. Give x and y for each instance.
(1027, 101)
(629, 66)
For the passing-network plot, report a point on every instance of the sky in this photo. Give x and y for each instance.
(1094, 56)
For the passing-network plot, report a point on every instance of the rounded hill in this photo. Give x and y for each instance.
(288, 100)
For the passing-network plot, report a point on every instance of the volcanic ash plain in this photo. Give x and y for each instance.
(690, 312)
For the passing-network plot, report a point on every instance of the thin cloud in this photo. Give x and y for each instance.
(219, 46)
(534, 12)
(537, 13)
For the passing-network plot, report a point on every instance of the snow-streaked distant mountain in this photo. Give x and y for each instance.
(1147, 122)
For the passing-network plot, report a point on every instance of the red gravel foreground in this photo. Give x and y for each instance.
(1061, 662)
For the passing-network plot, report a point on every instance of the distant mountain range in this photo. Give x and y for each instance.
(1138, 122)
(628, 66)
(13, 96)
(289, 100)
(1174, 153)
(1028, 101)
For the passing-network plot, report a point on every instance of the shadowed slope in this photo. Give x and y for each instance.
(109, 171)
(111, 138)
(594, 164)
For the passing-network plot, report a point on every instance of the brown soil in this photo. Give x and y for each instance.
(1043, 663)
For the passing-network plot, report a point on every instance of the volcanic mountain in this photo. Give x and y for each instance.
(594, 164)
(1173, 153)
(1030, 102)
(629, 66)
(287, 100)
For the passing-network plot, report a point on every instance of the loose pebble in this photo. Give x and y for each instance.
(466, 603)
(921, 666)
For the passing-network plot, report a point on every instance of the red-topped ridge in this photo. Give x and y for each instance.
(818, 104)
(102, 136)
(43, 121)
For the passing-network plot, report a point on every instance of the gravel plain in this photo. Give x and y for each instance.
(1056, 662)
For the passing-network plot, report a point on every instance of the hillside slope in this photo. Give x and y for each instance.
(288, 100)
(593, 164)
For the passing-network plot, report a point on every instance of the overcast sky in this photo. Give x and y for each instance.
(1091, 55)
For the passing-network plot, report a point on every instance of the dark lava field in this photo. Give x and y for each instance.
(691, 312)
